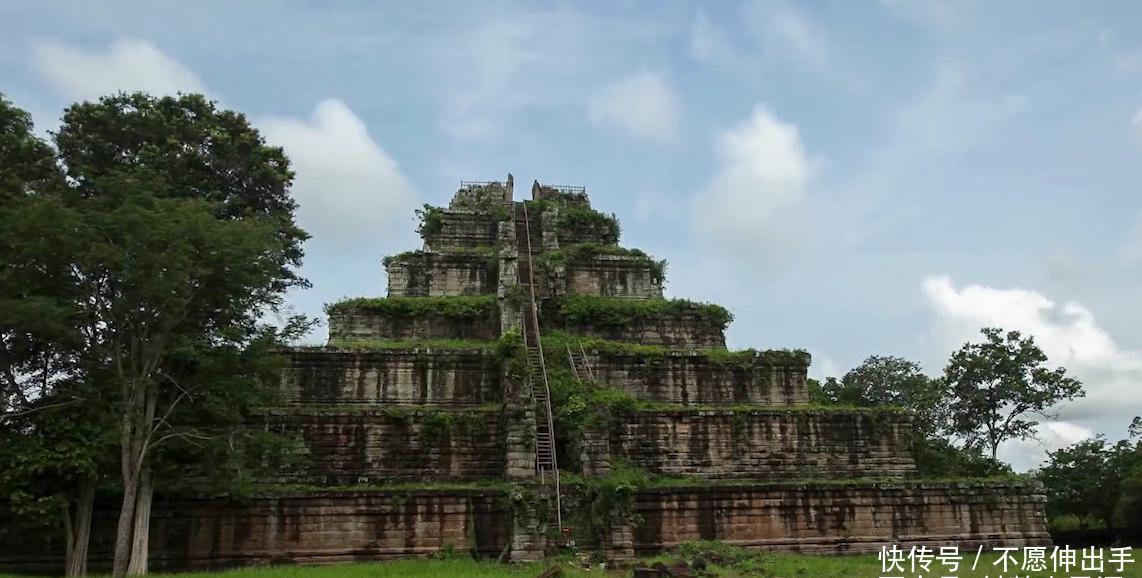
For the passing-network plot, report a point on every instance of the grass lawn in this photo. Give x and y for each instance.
(756, 564)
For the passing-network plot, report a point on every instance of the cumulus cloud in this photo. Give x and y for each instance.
(347, 186)
(641, 104)
(127, 64)
(752, 204)
(1068, 333)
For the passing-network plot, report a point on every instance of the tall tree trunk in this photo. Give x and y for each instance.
(142, 527)
(79, 531)
(123, 531)
(135, 425)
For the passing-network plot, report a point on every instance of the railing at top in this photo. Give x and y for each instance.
(472, 184)
(569, 190)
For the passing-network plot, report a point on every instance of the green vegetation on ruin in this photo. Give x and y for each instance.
(458, 307)
(584, 309)
(489, 253)
(407, 344)
(585, 253)
(431, 220)
(579, 221)
(743, 358)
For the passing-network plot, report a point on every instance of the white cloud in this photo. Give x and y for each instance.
(641, 104)
(1069, 334)
(787, 32)
(127, 64)
(1028, 454)
(347, 186)
(499, 66)
(752, 204)
(708, 44)
(823, 366)
(1136, 120)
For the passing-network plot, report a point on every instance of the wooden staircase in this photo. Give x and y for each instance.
(546, 462)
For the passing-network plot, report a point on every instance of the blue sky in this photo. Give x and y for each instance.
(855, 178)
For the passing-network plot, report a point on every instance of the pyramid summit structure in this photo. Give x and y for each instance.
(524, 386)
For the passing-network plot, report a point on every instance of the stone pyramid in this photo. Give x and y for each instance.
(525, 387)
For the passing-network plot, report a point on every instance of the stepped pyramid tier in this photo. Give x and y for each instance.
(520, 361)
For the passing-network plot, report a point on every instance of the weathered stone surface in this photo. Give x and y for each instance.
(843, 518)
(481, 195)
(693, 378)
(430, 274)
(679, 330)
(571, 195)
(771, 444)
(356, 326)
(307, 528)
(372, 446)
(463, 229)
(392, 376)
(608, 276)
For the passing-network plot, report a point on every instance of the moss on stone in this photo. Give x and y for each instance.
(612, 312)
(458, 307)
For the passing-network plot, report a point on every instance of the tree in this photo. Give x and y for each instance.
(997, 384)
(1094, 479)
(1083, 480)
(890, 381)
(54, 453)
(173, 236)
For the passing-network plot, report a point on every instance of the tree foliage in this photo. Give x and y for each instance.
(996, 385)
(887, 380)
(1097, 483)
(133, 292)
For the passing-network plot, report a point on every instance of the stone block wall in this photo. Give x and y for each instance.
(374, 446)
(428, 274)
(679, 330)
(765, 444)
(693, 378)
(843, 518)
(358, 326)
(304, 528)
(448, 377)
(606, 275)
(462, 229)
(482, 195)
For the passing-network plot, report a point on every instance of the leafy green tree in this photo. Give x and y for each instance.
(1083, 480)
(1127, 515)
(173, 236)
(996, 385)
(1094, 479)
(893, 381)
(53, 455)
(27, 164)
(938, 457)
